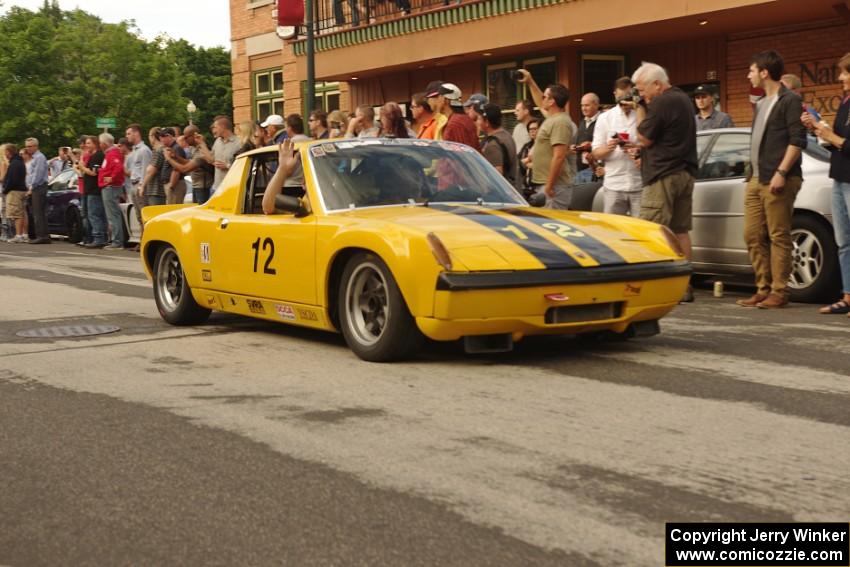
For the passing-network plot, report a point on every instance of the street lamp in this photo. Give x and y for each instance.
(191, 108)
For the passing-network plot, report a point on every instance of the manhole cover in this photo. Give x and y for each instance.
(68, 331)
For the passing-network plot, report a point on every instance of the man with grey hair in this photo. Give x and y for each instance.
(37, 191)
(110, 179)
(667, 133)
(584, 137)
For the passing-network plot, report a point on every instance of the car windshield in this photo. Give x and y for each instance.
(380, 172)
(63, 179)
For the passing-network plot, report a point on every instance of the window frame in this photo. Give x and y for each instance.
(269, 97)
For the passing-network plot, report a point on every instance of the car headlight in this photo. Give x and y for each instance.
(672, 241)
(441, 253)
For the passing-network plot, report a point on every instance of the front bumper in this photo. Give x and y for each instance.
(518, 302)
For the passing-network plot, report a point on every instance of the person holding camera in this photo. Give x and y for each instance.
(668, 136)
(552, 172)
(708, 117)
(613, 138)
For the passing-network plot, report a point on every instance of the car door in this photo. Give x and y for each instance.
(718, 202)
(264, 256)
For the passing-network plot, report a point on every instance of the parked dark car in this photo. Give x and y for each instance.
(63, 207)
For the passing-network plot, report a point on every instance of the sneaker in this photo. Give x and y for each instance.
(112, 246)
(19, 239)
(773, 301)
(752, 301)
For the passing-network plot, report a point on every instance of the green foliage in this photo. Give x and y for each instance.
(59, 70)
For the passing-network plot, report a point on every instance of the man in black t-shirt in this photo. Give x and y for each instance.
(667, 133)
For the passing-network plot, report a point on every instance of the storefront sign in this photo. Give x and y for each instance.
(821, 88)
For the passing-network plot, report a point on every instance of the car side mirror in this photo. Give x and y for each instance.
(290, 204)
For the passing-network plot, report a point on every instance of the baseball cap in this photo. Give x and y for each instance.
(703, 90)
(273, 119)
(477, 100)
(448, 90)
(452, 93)
(164, 132)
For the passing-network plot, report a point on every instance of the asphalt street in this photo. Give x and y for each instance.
(245, 442)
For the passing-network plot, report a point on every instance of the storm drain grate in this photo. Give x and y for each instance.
(68, 331)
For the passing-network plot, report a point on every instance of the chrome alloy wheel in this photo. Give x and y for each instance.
(169, 280)
(367, 303)
(806, 258)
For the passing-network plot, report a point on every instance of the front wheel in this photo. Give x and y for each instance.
(814, 264)
(375, 320)
(172, 292)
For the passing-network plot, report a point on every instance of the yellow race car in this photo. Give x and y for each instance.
(391, 240)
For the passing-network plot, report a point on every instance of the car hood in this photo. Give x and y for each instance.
(526, 238)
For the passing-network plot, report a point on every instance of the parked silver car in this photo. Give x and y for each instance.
(718, 234)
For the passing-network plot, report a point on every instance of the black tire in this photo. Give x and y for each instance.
(374, 319)
(73, 225)
(172, 293)
(583, 196)
(815, 273)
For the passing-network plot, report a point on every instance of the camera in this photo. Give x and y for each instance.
(514, 75)
(632, 97)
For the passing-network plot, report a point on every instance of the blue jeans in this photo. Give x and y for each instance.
(200, 196)
(113, 213)
(97, 218)
(84, 217)
(583, 176)
(841, 224)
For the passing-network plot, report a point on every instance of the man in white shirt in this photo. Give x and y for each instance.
(614, 140)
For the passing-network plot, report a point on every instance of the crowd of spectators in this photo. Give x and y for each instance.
(642, 150)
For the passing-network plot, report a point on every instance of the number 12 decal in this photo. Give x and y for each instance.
(267, 243)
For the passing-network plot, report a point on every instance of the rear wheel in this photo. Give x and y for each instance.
(814, 263)
(374, 318)
(172, 292)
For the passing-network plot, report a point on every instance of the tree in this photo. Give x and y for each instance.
(60, 70)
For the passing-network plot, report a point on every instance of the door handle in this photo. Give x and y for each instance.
(224, 223)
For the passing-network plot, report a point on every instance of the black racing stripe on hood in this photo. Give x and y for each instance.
(597, 249)
(546, 252)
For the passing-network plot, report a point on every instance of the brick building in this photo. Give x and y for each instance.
(399, 46)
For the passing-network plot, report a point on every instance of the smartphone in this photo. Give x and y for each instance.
(815, 114)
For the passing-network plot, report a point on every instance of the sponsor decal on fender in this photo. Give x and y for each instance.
(285, 312)
(633, 289)
(206, 275)
(256, 306)
(205, 252)
(307, 315)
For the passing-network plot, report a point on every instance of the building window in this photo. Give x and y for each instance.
(504, 90)
(327, 96)
(598, 73)
(268, 93)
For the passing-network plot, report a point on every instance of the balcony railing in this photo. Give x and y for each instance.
(339, 15)
(342, 23)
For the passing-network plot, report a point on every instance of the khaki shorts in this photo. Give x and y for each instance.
(669, 201)
(15, 204)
